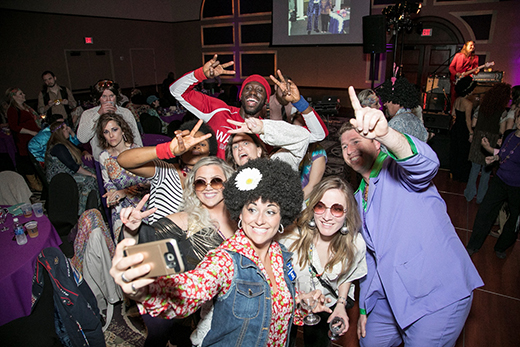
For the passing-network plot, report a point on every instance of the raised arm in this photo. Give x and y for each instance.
(372, 124)
(289, 91)
(199, 104)
(139, 160)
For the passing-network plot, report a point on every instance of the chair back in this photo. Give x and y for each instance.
(63, 208)
(154, 139)
(41, 175)
(101, 188)
(151, 124)
(13, 189)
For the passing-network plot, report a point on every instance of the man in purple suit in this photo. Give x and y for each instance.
(420, 280)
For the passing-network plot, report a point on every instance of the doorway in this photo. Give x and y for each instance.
(423, 56)
(85, 67)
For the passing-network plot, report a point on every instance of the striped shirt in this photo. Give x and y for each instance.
(165, 191)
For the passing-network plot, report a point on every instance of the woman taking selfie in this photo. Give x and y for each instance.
(239, 277)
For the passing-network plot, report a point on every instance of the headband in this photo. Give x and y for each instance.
(59, 126)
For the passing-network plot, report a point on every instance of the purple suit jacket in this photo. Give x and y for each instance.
(415, 258)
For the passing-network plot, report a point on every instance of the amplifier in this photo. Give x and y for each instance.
(436, 120)
(492, 76)
(435, 102)
(438, 84)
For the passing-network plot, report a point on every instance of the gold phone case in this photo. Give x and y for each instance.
(163, 256)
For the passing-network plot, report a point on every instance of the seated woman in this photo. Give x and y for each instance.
(63, 156)
(202, 226)
(328, 246)
(123, 187)
(245, 142)
(246, 277)
(167, 180)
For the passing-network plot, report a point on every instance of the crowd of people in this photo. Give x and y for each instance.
(242, 192)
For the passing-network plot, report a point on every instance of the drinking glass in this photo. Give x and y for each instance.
(306, 289)
(336, 326)
(3, 217)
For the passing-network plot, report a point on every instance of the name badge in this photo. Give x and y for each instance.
(290, 271)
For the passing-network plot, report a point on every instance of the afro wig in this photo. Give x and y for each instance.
(271, 180)
(465, 86)
(401, 92)
(205, 129)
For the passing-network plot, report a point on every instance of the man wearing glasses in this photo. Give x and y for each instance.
(107, 93)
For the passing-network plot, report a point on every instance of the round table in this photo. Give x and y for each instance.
(18, 264)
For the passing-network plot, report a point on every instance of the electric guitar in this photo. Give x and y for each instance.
(469, 72)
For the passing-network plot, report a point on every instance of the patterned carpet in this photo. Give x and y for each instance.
(126, 328)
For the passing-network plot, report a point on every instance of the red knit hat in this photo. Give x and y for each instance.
(259, 79)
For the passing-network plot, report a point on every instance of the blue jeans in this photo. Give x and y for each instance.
(471, 187)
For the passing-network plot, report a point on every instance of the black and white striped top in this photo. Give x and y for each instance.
(165, 191)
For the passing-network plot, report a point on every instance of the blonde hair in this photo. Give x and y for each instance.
(198, 215)
(342, 247)
(57, 137)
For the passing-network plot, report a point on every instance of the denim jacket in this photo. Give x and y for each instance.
(242, 316)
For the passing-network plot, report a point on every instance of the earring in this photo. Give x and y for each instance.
(344, 229)
(281, 229)
(239, 224)
(124, 138)
(312, 223)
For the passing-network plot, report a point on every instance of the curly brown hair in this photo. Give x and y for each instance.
(128, 135)
(495, 99)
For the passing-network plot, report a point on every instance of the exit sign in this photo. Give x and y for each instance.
(89, 40)
(426, 32)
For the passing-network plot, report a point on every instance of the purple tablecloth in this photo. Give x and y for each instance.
(8, 146)
(18, 264)
(175, 116)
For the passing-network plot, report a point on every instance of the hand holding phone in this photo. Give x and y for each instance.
(163, 256)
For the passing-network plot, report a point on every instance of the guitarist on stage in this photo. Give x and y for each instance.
(464, 61)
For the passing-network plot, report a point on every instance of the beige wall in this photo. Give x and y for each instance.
(33, 42)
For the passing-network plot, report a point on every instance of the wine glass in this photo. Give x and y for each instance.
(336, 326)
(306, 290)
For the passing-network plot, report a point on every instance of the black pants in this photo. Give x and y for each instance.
(497, 193)
(314, 335)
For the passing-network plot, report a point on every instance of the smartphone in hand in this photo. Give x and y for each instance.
(163, 256)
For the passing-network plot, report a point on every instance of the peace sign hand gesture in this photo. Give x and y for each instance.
(287, 90)
(184, 140)
(213, 68)
(132, 216)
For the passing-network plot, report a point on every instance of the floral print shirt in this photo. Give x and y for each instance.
(182, 294)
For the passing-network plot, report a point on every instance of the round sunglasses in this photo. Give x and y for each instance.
(337, 210)
(201, 184)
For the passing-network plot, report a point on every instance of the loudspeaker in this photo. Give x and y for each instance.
(374, 34)
(436, 120)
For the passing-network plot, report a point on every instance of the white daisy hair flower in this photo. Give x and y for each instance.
(248, 179)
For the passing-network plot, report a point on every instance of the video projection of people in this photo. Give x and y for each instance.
(319, 17)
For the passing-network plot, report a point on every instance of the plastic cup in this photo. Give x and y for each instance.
(37, 209)
(26, 210)
(32, 229)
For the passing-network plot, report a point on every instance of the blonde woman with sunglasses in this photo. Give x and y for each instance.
(202, 226)
(106, 93)
(328, 247)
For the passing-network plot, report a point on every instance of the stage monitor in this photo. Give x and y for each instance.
(298, 22)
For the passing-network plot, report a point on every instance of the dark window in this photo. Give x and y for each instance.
(255, 6)
(217, 8)
(255, 33)
(257, 63)
(480, 24)
(222, 35)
